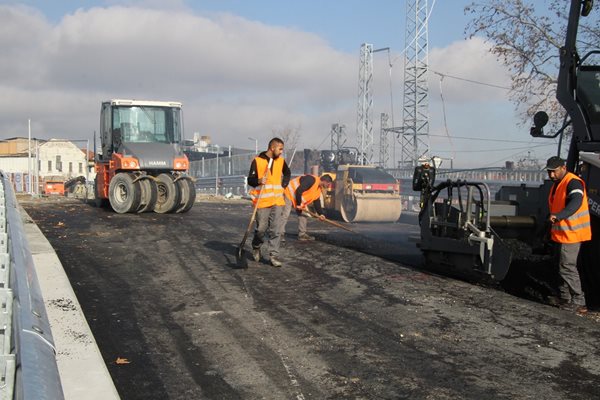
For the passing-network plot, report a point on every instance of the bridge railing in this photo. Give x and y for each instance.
(28, 369)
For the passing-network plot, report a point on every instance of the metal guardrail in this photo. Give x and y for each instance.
(28, 369)
(222, 185)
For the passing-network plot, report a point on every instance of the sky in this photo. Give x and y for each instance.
(251, 68)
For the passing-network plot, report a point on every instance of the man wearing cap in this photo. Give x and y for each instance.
(570, 219)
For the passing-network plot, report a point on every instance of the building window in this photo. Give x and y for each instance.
(81, 168)
(70, 167)
(58, 164)
(49, 165)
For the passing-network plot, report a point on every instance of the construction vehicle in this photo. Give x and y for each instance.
(54, 187)
(360, 193)
(142, 167)
(466, 230)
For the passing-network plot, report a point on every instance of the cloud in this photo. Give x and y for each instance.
(236, 77)
(470, 59)
(226, 69)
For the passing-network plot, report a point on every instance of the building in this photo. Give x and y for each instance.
(61, 158)
(54, 159)
(16, 146)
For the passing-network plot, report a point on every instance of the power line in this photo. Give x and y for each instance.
(496, 150)
(443, 75)
(484, 139)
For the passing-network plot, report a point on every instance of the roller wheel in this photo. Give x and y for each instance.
(169, 195)
(98, 201)
(124, 194)
(349, 208)
(149, 195)
(188, 195)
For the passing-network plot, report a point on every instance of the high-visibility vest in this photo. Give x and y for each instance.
(575, 228)
(272, 191)
(308, 196)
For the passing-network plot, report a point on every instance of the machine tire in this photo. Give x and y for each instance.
(149, 195)
(188, 195)
(124, 194)
(98, 201)
(169, 195)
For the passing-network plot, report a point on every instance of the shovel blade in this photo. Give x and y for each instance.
(240, 258)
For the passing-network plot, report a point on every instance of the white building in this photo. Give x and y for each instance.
(55, 158)
(61, 158)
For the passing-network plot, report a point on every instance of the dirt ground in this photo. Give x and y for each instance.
(163, 291)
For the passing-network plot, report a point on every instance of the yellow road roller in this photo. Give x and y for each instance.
(363, 193)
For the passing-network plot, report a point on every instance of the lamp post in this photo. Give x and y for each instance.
(255, 144)
(229, 165)
(30, 191)
(217, 173)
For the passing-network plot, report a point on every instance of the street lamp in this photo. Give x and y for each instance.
(255, 144)
(217, 173)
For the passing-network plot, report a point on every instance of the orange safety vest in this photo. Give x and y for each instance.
(272, 191)
(575, 228)
(308, 196)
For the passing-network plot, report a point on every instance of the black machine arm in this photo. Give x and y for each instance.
(567, 89)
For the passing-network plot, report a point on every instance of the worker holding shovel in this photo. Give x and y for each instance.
(269, 175)
(301, 192)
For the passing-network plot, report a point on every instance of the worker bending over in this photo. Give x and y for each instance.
(301, 192)
(570, 219)
(267, 196)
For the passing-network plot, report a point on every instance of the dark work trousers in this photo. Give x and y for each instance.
(268, 221)
(570, 289)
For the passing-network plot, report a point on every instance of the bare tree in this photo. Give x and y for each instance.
(290, 136)
(526, 36)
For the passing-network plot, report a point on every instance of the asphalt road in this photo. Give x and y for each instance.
(162, 292)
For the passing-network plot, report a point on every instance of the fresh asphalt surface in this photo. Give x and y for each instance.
(162, 295)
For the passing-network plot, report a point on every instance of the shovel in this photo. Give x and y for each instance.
(336, 224)
(240, 253)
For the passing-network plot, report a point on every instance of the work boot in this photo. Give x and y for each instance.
(581, 310)
(275, 262)
(256, 254)
(305, 237)
(575, 308)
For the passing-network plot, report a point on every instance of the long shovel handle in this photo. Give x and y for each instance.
(253, 217)
(338, 225)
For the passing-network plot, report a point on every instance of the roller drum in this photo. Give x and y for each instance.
(369, 208)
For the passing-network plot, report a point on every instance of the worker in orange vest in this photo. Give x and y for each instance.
(301, 192)
(269, 175)
(570, 219)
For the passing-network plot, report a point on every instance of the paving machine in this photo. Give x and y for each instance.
(141, 167)
(463, 228)
(360, 193)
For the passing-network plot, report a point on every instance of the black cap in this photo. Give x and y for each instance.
(554, 163)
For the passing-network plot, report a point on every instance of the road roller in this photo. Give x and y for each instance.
(142, 167)
(363, 193)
